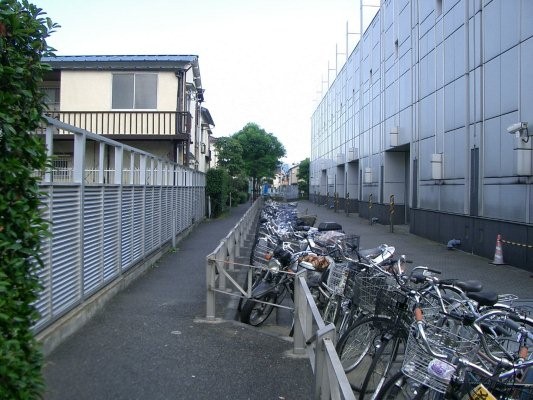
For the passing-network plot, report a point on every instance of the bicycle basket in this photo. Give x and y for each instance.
(433, 372)
(338, 274)
(392, 302)
(259, 254)
(349, 245)
(366, 288)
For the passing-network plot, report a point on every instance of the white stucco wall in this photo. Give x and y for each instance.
(91, 91)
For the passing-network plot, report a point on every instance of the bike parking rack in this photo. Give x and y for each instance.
(311, 335)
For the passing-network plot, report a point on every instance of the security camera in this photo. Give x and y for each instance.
(517, 128)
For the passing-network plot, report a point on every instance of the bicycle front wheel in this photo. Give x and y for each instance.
(386, 362)
(355, 343)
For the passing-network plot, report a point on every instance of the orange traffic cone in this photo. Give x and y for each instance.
(498, 254)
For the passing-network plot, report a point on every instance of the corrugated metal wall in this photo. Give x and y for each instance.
(98, 231)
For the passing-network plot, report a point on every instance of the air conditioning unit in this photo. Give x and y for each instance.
(353, 154)
(393, 136)
(340, 158)
(436, 166)
(368, 175)
(523, 159)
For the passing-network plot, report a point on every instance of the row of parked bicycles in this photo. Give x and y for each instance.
(402, 332)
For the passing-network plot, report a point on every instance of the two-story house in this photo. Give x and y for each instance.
(151, 102)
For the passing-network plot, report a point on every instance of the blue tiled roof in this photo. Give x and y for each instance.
(121, 61)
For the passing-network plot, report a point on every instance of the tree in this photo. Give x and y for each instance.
(261, 152)
(229, 155)
(303, 177)
(23, 33)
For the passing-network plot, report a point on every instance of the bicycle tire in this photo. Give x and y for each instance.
(382, 364)
(358, 340)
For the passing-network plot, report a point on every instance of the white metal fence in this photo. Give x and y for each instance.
(101, 230)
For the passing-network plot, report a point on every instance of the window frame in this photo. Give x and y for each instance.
(133, 99)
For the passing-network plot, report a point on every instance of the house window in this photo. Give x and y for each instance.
(51, 98)
(134, 91)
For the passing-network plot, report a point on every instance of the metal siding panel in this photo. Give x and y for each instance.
(42, 304)
(65, 280)
(126, 226)
(179, 207)
(156, 217)
(138, 225)
(148, 219)
(138, 218)
(187, 207)
(111, 232)
(166, 214)
(92, 239)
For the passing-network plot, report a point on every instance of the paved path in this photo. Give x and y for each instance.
(148, 342)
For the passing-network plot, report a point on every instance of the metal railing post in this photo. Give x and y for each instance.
(230, 244)
(220, 261)
(237, 241)
(322, 390)
(210, 283)
(301, 320)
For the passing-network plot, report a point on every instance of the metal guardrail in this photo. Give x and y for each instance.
(311, 335)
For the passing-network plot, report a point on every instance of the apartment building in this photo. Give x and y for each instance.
(150, 102)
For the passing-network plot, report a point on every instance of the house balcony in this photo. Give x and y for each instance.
(119, 125)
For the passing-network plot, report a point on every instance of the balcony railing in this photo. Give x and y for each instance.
(167, 123)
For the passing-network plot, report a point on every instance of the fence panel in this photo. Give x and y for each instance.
(126, 227)
(99, 231)
(66, 248)
(111, 239)
(93, 222)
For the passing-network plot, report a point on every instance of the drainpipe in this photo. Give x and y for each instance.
(197, 115)
(468, 156)
(180, 107)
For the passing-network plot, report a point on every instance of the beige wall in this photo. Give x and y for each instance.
(91, 91)
(85, 91)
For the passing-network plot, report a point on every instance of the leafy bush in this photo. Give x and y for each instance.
(23, 31)
(217, 187)
(243, 197)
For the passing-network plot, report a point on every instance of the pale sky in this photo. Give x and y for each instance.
(261, 61)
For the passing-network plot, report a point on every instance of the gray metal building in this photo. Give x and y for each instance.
(430, 114)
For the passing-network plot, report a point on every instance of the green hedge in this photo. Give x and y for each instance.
(217, 187)
(243, 197)
(23, 31)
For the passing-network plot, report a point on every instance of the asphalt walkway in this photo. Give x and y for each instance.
(149, 342)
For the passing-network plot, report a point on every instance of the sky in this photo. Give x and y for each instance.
(261, 61)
